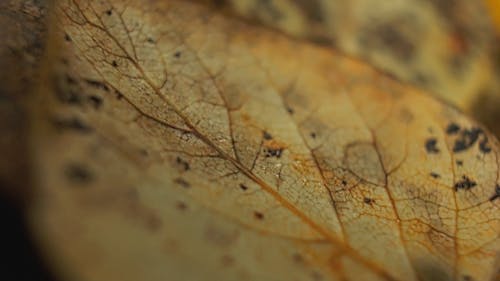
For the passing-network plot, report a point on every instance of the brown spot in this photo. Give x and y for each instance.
(389, 37)
(78, 173)
(219, 236)
(182, 163)
(182, 182)
(435, 175)
(431, 146)
(258, 215)
(465, 183)
(273, 148)
(96, 101)
(72, 124)
(181, 206)
(453, 128)
(297, 258)
(267, 136)
(369, 201)
(243, 187)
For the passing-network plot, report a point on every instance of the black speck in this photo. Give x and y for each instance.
(467, 139)
(258, 215)
(289, 110)
(465, 183)
(273, 152)
(182, 182)
(267, 136)
(97, 84)
(435, 175)
(430, 146)
(243, 187)
(313, 135)
(114, 63)
(484, 146)
(109, 12)
(67, 38)
(496, 195)
(184, 164)
(151, 40)
(459, 162)
(452, 129)
(344, 182)
(177, 54)
(78, 173)
(95, 101)
(73, 123)
(119, 95)
(368, 200)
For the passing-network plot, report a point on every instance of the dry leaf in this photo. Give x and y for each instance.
(172, 142)
(448, 47)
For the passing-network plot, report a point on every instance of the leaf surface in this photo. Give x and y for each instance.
(174, 142)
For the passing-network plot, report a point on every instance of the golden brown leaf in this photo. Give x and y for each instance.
(179, 144)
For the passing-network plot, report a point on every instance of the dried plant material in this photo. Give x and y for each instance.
(448, 47)
(173, 142)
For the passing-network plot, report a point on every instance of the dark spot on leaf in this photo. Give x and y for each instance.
(435, 175)
(389, 37)
(289, 110)
(78, 173)
(177, 54)
(465, 183)
(109, 12)
(368, 200)
(181, 206)
(297, 258)
(183, 163)
(267, 136)
(96, 101)
(273, 152)
(114, 63)
(484, 146)
(344, 182)
(313, 135)
(258, 215)
(496, 195)
(67, 37)
(73, 124)
(467, 139)
(119, 95)
(151, 40)
(452, 128)
(97, 84)
(243, 187)
(182, 182)
(459, 162)
(430, 146)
